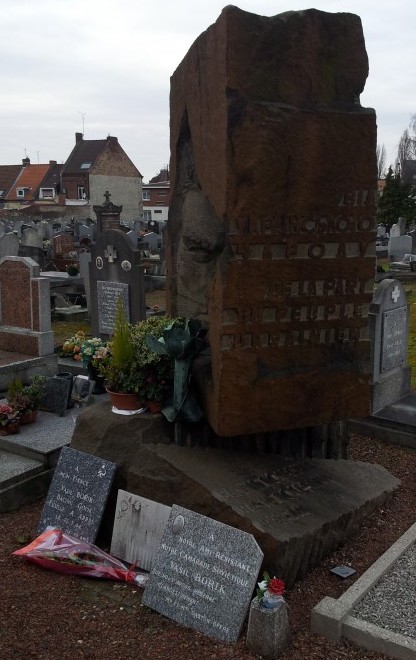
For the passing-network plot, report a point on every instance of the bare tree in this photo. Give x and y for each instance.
(407, 146)
(381, 161)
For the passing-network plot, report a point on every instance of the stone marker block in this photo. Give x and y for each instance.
(78, 494)
(271, 231)
(268, 630)
(204, 574)
(138, 529)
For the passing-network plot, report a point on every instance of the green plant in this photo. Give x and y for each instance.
(118, 367)
(25, 398)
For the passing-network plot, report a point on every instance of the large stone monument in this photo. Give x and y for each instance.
(271, 227)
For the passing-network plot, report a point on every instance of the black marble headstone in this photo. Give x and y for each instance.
(78, 494)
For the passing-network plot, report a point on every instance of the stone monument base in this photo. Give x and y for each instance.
(298, 511)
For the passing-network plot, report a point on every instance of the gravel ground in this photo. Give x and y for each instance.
(48, 616)
(391, 604)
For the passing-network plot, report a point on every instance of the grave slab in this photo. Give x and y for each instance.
(204, 574)
(78, 494)
(299, 512)
(139, 524)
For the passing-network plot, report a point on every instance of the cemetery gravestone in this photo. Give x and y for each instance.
(26, 326)
(282, 273)
(389, 317)
(115, 271)
(78, 494)
(399, 246)
(138, 529)
(31, 238)
(9, 245)
(204, 574)
(63, 244)
(108, 215)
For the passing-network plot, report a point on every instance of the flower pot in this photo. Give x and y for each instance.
(10, 429)
(154, 406)
(124, 401)
(28, 418)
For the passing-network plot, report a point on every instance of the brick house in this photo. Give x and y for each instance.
(95, 166)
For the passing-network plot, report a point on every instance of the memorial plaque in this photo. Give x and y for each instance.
(282, 273)
(204, 574)
(77, 495)
(394, 349)
(108, 295)
(138, 529)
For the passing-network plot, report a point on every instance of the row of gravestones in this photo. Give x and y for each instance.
(202, 572)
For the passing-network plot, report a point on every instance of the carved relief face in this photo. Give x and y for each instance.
(201, 242)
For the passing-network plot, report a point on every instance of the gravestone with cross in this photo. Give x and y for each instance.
(115, 270)
(389, 323)
(108, 214)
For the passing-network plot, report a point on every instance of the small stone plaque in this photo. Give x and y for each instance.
(204, 574)
(108, 295)
(77, 495)
(138, 529)
(393, 350)
(343, 571)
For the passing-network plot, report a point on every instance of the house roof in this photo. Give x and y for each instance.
(85, 151)
(52, 176)
(29, 178)
(98, 156)
(8, 175)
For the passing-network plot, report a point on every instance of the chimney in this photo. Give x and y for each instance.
(26, 161)
(112, 139)
(78, 137)
(52, 163)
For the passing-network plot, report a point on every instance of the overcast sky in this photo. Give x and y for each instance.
(103, 67)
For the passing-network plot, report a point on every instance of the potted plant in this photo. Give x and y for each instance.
(9, 420)
(117, 367)
(155, 370)
(26, 399)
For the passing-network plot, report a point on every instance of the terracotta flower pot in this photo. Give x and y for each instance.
(10, 429)
(124, 401)
(29, 418)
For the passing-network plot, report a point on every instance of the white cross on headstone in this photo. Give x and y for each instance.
(111, 253)
(395, 294)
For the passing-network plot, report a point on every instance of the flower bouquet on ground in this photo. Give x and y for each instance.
(62, 553)
(270, 592)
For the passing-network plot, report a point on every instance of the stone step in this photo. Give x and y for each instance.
(43, 440)
(22, 480)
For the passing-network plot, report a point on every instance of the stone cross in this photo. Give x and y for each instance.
(111, 253)
(395, 294)
(107, 196)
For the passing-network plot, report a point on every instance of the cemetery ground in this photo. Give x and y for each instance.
(49, 616)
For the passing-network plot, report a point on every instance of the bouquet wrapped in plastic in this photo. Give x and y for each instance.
(62, 553)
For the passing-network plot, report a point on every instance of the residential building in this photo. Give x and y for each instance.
(95, 166)
(156, 196)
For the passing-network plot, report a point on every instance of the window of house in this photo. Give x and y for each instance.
(147, 215)
(146, 194)
(20, 192)
(86, 165)
(158, 211)
(81, 192)
(1, 193)
(46, 193)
